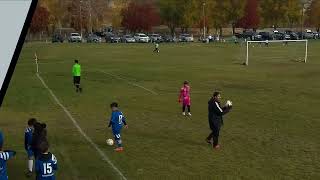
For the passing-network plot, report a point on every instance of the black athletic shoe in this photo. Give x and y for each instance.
(28, 174)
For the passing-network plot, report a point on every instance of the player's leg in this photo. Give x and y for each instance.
(183, 109)
(79, 84)
(30, 163)
(215, 139)
(117, 138)
(189, 110)
(74, 81)
(209, 138)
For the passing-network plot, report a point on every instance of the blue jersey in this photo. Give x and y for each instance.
(28, 138)
(45, 166)
(117, 120)
(4, 156)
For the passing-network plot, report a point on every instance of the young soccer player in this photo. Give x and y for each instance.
(46, 163)
(76, 72)
(156, 48)
(185, 99)
(116, 122)
(28, 134)
(4, 157)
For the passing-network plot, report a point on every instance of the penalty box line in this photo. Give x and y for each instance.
(130, 83)
(75, 123)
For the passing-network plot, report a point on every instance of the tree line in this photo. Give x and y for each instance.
(142, 15)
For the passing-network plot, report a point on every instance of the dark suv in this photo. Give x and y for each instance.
(57, 38)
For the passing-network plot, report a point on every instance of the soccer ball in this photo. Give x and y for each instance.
(229, 103)
(109, 142)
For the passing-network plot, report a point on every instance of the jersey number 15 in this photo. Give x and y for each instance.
(47, 168)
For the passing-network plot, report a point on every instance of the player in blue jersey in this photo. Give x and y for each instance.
(27, 145)
(116, 122)
(46, 163)
(4, 157)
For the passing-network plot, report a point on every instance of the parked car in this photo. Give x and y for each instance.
(169, 38)
(112, 38)
(290, 35)
(248, 34)
(75, 37)
(93, 38)
(278, 35)
(128, 39)
(309, 34)
(257, 37)
(265, 36)
(155, 38)
(57, 38)
(140, 37)
(317, 35)
(185, 38)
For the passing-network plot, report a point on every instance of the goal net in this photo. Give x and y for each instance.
(274, 51)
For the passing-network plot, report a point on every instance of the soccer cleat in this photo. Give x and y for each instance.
(119, 149)
(28, 174)
(217, 147)
(189, 114)
(209, 141)
(183, 113)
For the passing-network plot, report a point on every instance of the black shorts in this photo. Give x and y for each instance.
(76, 79)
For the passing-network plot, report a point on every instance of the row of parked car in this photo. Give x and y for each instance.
(277, 35)
(126, 38)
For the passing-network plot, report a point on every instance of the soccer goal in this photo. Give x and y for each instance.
(296, 50)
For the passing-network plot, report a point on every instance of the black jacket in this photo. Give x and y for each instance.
(215, 113)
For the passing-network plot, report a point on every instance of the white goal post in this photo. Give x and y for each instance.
(277, 41)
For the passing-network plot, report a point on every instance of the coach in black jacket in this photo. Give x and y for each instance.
(215, 118)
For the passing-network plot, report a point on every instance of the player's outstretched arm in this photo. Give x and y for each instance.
(124, 122)
(8, 154)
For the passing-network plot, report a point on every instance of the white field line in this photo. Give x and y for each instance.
(131, 83)
(75, 123)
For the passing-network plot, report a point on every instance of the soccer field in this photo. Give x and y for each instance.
(272, 131)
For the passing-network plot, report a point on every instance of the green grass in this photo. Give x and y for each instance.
(271, 133)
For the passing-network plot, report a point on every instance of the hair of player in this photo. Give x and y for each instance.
(216, 93)
(114, 104)
(44, 146)
(185, 82)
(32, 121)
(76, 61)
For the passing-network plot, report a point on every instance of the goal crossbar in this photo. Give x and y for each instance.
(277, 41)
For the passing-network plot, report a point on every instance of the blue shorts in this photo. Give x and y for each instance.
(116, 133)
(30, 153)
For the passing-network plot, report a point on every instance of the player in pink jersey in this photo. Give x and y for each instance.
(184, 98)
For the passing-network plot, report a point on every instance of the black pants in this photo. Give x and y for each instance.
(214, 135)
(76, 80)
(184, 108)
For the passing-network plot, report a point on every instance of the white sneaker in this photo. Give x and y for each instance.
(184, 113)
(189, 114)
